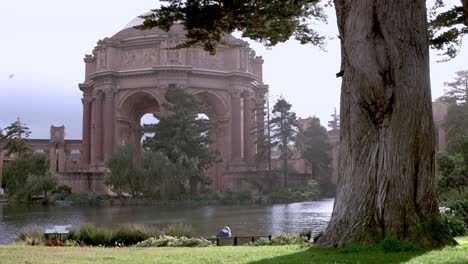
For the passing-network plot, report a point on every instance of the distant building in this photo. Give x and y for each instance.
(299, 165)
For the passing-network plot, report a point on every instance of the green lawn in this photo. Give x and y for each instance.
(265, 254)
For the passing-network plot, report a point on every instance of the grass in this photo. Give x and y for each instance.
(240, 254)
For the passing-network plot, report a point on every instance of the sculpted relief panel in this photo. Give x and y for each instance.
(134, 58)
(203, 59)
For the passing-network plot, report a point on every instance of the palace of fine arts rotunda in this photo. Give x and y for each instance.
(126, 77)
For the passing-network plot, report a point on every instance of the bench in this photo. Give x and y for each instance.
(235, 241)
(57, 231)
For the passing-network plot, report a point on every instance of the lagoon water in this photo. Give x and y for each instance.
(205, 220)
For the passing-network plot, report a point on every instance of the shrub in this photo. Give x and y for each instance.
(73, 235)
(131, 234)
(179, 230)
(65, 189)
(31, 237)
(95, 236)
(391, 244)
(70, 243)
(288, 239)
(454, 224)
(263, 241)
(169, 241)
(457, 201)
(283, 239)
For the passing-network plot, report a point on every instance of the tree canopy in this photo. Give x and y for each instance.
(269, 22)
(184, 137)
(16, 138)
(284, 132)
(316, 151)
(447, 28)
(456, 120)
(334, 123)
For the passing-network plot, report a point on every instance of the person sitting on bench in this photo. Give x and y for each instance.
(225, 232)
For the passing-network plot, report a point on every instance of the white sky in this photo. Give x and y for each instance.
(44, 42)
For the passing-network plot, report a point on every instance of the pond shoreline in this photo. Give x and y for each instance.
(205, 218)
(105, 200)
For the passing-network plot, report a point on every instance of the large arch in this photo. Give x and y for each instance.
(131, 109)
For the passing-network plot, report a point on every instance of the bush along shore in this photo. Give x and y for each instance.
(176, 235)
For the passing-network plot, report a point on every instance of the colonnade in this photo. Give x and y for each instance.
(98, 127)
(245, 122)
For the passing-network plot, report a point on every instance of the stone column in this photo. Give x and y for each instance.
(108, 121)
(96, 153)
(52, 158)
(85, 145)
(260, 122)
(61, 158)
(248, 142)
(236, 133)
(223, 146)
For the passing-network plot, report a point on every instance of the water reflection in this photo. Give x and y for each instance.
(206, 220)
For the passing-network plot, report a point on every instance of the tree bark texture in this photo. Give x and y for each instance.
(386, 158)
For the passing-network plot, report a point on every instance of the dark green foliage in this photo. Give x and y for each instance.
(269, 22)
(124, 174)
(169, 241)
(457, 201)
(31, 237)
(132, 234)
(73, 235)
(127, 235)
(455, 225)
(85, 198)
(447, 28)
(184, 139)
(159, 175)
(226, 197)
(282, 240)
(453, 172)
(288, 195)
(65, 189)
(391, 244)
(179, 230)
(15, 138)
(284, 132)
(316, 151)
(96, 236)
(29, 176)
(37, 185)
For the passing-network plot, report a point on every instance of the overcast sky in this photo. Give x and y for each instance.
(44, 42)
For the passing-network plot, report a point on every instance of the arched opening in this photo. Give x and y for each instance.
(215, 110)
(136, 110)
(145, 121)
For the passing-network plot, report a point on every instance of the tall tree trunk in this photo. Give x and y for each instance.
(386, 158)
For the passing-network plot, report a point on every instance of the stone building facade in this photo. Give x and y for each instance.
(64, 155)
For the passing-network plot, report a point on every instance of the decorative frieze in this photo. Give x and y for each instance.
(140, 57)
